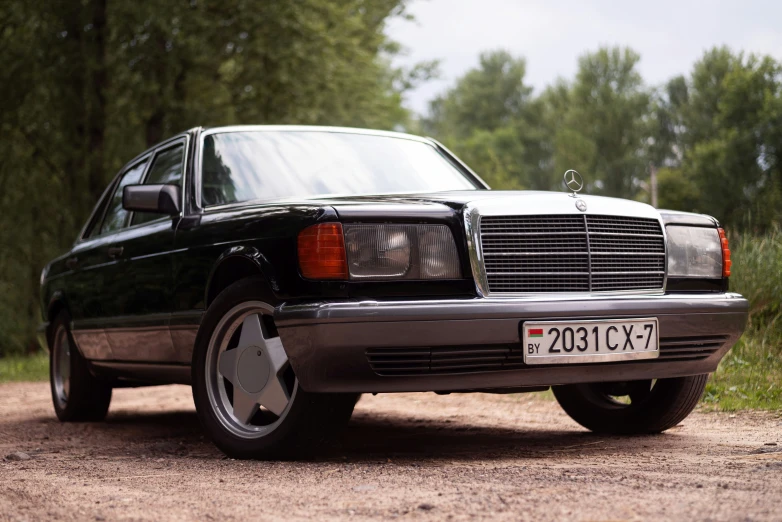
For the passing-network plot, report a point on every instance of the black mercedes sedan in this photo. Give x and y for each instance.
(282, 271)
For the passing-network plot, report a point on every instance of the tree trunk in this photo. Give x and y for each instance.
(97, 86)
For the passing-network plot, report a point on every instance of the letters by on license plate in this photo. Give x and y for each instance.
(593, 341)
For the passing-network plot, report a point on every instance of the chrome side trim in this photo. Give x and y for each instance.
(472, 226)
(93, 344)
(674, 217)
(383, 210)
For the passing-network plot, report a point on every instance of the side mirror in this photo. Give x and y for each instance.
(157, 199)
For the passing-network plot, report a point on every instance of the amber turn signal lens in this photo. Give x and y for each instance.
(322, 252)
(726, 262)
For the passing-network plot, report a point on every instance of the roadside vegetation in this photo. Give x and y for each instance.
(751, 375)
(16, 368)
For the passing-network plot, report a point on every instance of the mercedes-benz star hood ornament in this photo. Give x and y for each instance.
(574, 182)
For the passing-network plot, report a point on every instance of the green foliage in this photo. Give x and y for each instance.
(676, 190)
(733, 151)
(85, 86)
(607, 104)
(751, 374)
(596, 124)
(487, 98)
(19, 368)
(491, 120)
(748, 377)
(757, 274)
(714, 136)
(497, 153)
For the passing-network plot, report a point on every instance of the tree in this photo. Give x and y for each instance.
(85, 86)
(732, 142)
(489, 97)
(491, 120)
(600, 122)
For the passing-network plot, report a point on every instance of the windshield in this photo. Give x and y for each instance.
(270, 165)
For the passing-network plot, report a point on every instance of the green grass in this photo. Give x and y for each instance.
(24, 368)
(750, 376)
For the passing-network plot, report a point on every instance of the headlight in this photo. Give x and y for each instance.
(383, 252)
(695, 252)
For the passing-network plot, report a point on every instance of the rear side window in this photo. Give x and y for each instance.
(116, 216)
(166, 168)
(93, 229)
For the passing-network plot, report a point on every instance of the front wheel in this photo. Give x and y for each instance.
(633, 407)
(245, 391)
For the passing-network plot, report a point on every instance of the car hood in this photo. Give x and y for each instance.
(488, 201)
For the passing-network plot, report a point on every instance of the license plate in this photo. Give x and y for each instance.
(575, 342)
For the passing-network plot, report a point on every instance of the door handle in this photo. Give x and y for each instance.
(72, 262)
(115, 252)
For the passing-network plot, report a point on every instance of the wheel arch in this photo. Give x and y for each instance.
(57, 304)
(235, 264)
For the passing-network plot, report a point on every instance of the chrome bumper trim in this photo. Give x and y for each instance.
(497, 308)
(328, 343)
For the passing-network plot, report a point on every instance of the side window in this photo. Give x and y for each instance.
(166, 169)
(93, 228)
(116, 216)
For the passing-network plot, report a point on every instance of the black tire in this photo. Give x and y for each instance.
(653, 410)
(88, 397)
(311, 421)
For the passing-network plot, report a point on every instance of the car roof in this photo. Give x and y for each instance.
(313, 128)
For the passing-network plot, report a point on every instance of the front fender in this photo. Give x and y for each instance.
(246, 254)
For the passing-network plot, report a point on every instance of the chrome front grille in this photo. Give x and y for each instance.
(572, 253)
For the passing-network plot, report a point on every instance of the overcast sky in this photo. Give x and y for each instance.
(670, 35)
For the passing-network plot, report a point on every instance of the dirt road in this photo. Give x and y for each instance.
(417, 456)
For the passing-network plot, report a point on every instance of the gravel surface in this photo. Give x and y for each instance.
(411, 456)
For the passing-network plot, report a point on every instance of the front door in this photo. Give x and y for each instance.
(91, 260)
(138, 286)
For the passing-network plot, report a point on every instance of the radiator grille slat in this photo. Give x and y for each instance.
(572, 253)
(502, 357)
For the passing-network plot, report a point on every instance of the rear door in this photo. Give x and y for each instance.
(138, 286)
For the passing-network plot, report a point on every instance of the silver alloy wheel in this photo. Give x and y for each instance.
(248, 375)
(61, 367)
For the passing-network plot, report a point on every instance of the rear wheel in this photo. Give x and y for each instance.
(632, 407)
(77, 395)
(245, 391)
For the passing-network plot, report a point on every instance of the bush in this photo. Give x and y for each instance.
(24, 368)
(751, 374)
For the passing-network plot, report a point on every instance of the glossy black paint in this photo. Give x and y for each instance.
(163, 199)
(137, 296)
(691, 284)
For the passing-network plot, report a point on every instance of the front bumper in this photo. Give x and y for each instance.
(474, 343)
